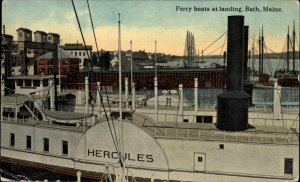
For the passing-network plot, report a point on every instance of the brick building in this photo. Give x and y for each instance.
(68, 64)
(78, 51)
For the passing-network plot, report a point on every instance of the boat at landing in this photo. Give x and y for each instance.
(158, 141)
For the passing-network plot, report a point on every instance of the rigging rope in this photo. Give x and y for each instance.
(215, 41)
(98, 89)
(223, 47)
(115, 145)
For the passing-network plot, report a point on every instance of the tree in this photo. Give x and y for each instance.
(105, 61)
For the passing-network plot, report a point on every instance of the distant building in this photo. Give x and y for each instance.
(78, 51)
(7, 47)
(40, 36)
(114, 62)
(162, 63)
(16, 70)
(176, 63)
(53, 38)
(68, 64)
(24, 34)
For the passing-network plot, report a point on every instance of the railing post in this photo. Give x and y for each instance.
(265, 122)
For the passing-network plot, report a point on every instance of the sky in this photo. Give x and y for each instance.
(143, 22)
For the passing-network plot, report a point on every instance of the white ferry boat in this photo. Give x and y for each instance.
(160, 142)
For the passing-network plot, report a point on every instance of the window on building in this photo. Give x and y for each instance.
(46, 144)
(72, 53)
(28, 142)
(75, 54)
(20, 34)
(65, 150)
(28, 34)
(36, 83)
(221, 146)
(49, 38)
(20, 83)
(185, 120)
(12, 140)
(288, 166)
(28, 83)
(45, 83)
(79, 53)
(83, 53)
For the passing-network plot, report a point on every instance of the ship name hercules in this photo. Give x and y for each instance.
(114, 155)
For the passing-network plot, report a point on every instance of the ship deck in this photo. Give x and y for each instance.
(209, 131)
(189, 131)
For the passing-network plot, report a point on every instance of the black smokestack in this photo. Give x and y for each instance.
(235, 53)
(233, 104)
(246, 30)
(247, 85)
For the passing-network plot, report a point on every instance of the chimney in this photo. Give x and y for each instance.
(233, 104)
(246, 30)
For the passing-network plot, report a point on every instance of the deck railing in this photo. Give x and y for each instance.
(287, 137)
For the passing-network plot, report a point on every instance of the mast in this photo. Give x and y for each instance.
(131, 74)
(252, 62)
(1, 87)
(120, 101)
(155, 60)
(259, 54)
(262, 50)
(287, 52)
(294, 44)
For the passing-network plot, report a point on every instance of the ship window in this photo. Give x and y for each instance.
(199, 159)
(28, 142)
(288, 166)
(204, 119)
(12, 140)
(46, 144)
(221, 146)
(65, 147)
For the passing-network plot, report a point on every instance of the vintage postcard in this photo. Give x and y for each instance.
(192, 90)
